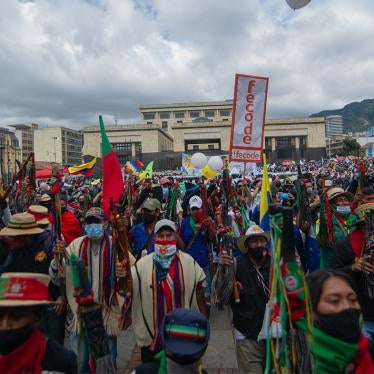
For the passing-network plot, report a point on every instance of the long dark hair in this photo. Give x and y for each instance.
(317, 279)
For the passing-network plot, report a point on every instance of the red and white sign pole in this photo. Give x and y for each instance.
(248, 118)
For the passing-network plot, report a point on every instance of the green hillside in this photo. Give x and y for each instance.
(356, 116)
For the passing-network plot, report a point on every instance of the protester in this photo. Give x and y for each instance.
(339, 201)
(28, 247)
(95, 249)
(163, 281)
(185, 336)
(252, 276)
(197, 233)
(141, 235)
(354, 255)
(23, 347)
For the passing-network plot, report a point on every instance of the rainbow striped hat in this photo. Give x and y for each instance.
(185, 332)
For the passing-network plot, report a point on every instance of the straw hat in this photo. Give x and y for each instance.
(24, 289)
(251, 232)
(338, 191)
(45, 198)
(40, 213)
(21, 224)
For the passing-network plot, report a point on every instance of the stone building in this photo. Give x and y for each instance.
(60, 145)
(9, 153)
(133, 142)
(25, 135)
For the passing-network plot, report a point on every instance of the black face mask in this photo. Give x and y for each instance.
(13, 338)
(344, 325)
(148, 218)
(257, 253)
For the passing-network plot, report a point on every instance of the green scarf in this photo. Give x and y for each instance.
(330, 355)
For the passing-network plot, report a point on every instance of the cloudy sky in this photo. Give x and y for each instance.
(64, 61)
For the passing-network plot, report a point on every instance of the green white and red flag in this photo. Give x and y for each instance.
(112, 175)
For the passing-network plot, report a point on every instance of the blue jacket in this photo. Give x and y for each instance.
(199, 248)
(139, 235)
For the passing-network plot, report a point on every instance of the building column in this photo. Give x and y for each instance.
(297, 142)
(133, 151)
(273, 143)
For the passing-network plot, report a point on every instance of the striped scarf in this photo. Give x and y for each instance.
(106, 269)
(168, 294)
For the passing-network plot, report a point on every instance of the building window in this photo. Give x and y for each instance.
(165, 125)
(284, 141)
(224, 113)
(138, 150)
(179, 114)
(149, 123)
(179, 121)
(165, 115)
(194, 114)
(209, 113)
(149, 116)
(195, 147)
(211, 146)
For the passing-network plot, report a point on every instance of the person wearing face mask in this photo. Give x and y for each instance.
(339, 201)
(95, 249)
(23, 346)
(141, 235)
(338, 345)
(355, 256)
(163, 281)
(252, 276)
(197, 233)
(28, 244)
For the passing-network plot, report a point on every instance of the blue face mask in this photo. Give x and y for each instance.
(343, 210)
(94, 230)
(165, 192)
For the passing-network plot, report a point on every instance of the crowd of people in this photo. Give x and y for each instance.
(191, 245)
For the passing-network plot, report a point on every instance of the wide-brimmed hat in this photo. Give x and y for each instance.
(21, 224)
(45, 198)
(338, 191)
(251, 232)
(24, 289)
(359, 214)
(185, 332)
(40, 214)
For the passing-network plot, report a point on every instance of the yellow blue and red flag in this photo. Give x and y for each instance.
(265, 198)
(86, 169)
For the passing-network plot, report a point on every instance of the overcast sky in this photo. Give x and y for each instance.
(64, 61)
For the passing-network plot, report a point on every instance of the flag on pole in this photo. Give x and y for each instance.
(86, 169)
(112, 174)
(148, 172)
(265, 197)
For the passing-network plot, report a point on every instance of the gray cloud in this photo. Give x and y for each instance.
(64, 61)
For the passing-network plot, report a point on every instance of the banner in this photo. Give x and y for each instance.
(248, 118)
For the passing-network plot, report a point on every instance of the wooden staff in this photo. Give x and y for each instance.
(121, 250)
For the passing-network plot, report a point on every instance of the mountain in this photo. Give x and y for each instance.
(356, 116)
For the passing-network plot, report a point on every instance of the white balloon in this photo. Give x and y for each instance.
(297, 4)
(215, 163)
(198, 160)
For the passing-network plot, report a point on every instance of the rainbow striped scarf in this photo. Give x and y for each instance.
(168, 294)
(106, 269)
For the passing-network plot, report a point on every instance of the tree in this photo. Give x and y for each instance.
(351, 147)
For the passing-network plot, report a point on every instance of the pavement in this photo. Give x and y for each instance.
(219, 355)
